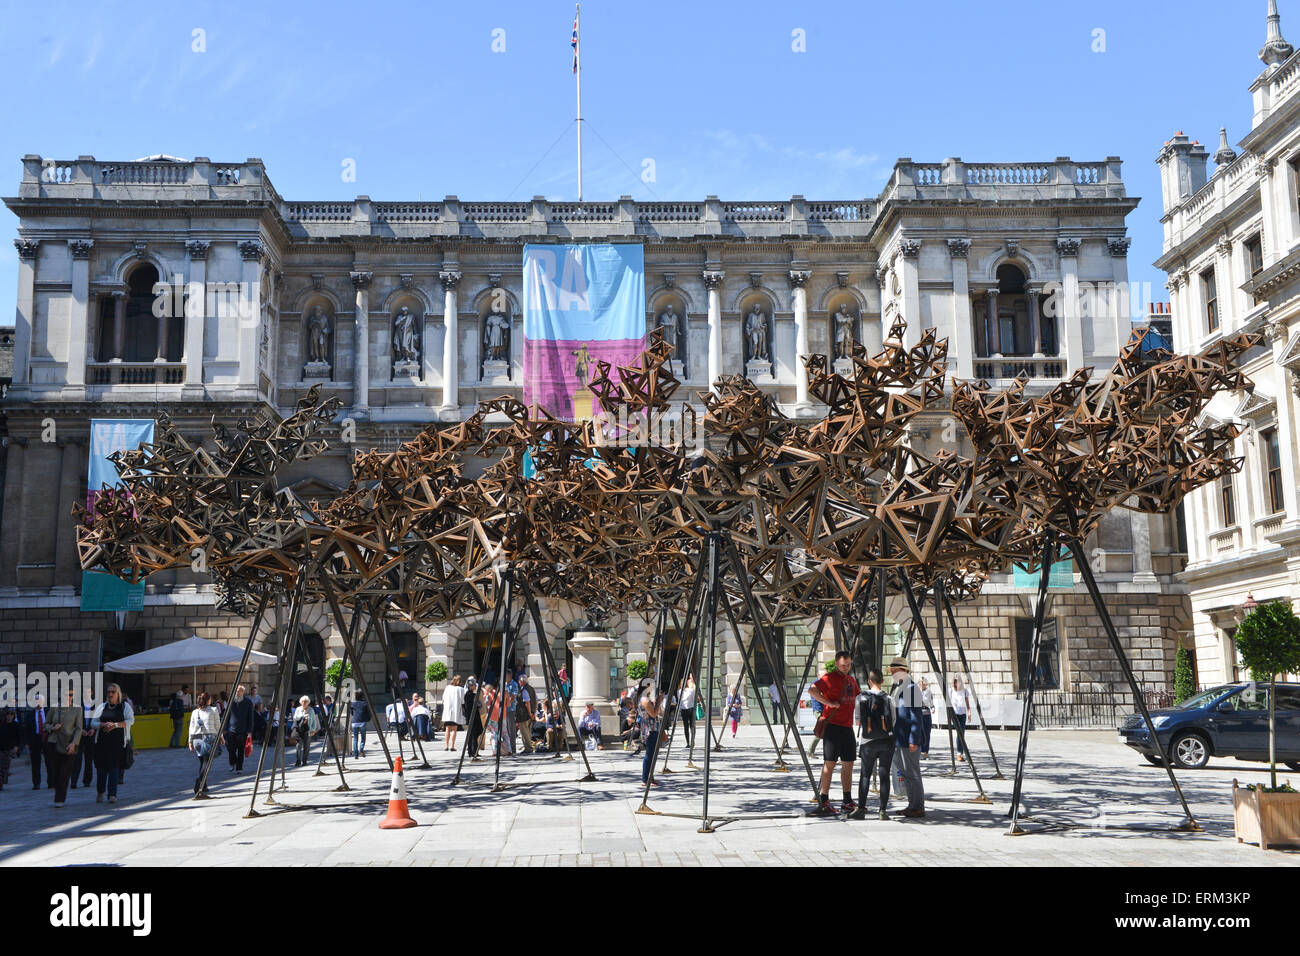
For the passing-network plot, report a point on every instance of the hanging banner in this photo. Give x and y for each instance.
(99, 591)
(1060, 578)
(582, 304)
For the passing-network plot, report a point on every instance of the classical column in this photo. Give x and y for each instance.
(196, 311)
(1119, 299)
(1286, 423)
(1035, 323)
(873, 332)
(119, 325)
(798, 281)
(713, 282)
(163, 321)
(591, 672)
(1069, 328)
(1277, 221)
(23, 314)
(361, 374)
(994, 334)
(450, 279)
(1140, 528)
(250, 311)
(12, 519)
(79, 320)
(911, 249)
(962, 332)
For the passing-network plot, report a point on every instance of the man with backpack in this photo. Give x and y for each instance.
(837, 691)
(876, 719)
(176, 711)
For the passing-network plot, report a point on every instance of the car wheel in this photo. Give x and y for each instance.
(1190, 751)
(1153, 760)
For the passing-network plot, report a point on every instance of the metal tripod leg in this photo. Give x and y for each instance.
(970, 683)
(1049, 556)
(1189, 823)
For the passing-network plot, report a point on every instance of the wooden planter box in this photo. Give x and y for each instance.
(1268, 819)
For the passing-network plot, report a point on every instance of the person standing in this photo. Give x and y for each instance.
(959, 702)
(64, 737)
(112, 722)
(774, 695)
(909, 733)
(238, 727)
(506, 717)
(837, 690)
(453, 712)
(86, 752)
(526, 712)
(554, 726)
(360, 719)
(205, 724)
(649, 712)
(34, 733)
(735, 710)
(473, 717)
(176, 711)
(565, 687)
(10, 740)
(305, 723)
(686, 705)
(876, 719)
(927, 717)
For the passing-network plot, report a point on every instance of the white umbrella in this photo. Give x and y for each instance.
(193, 652)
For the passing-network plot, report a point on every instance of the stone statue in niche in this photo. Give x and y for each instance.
(318, 344)
(496, 337)
(756, 335)
(670, 324)
(406, 344)
(845, 332)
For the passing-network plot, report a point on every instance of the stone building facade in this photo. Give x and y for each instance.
(410, 313)
(1232, 252)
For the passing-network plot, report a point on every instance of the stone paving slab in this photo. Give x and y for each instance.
(1118, 809)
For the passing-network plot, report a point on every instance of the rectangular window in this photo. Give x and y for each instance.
(1295, 181)
(1273, 468)
(1048, 674)
(1226, 497)
(1211, 299)
(1255, 254)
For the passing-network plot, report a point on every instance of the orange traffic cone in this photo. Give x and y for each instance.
(399, 818)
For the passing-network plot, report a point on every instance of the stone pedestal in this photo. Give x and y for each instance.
(406, 369)
(317, 370)
(591, 675)
(758, 370)
(496, 372)
(843, 366)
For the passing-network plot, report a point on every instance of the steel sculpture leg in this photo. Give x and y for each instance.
(507, 580)
(287, 642)
(394, 676)
(807, 668)
(970, 683)
(471, 709)
(338, 692)
(711, 605)
(239, 677)
(943, 669)
(1040, 610)
(779, 766)
(1189, 823)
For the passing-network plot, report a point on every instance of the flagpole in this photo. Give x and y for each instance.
(577, 70)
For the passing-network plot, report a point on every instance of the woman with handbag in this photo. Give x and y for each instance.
(453, 712)
(112, 722)
(205, 723)
(686, 704)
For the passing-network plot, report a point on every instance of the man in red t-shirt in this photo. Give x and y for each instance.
(837, 691)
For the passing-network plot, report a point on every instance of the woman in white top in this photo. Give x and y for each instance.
(205, 723)
(453, 712)
(686, 704)
(960, 701)
(305, 723)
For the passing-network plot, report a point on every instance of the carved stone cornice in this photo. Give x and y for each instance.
(713, 278)
(1067, 247)
(881, 275)
(910, 248)
(27, 248)
(1118, 245)
(494, 280)
(80, 248)
(317, 280)
(141, 248)
(361, 280)
(450, 278)
(1223, 245)
(197, 248)
(251, 250)
(670, 279)
(959, 248)
(799, 278)
(756, 280)
(406, 280)
(842, 280)
(1013, 248)
(1277, 331)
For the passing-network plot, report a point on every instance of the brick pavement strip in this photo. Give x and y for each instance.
(1121, 809)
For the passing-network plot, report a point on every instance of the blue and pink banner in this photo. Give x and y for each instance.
(582, 304)
(99, 591)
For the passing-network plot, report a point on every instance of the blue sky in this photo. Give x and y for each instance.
(712, 92)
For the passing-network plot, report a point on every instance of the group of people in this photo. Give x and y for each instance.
(892, 737)
(71, 742)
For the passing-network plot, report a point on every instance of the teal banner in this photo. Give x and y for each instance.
(106, 592)
(1061, 577)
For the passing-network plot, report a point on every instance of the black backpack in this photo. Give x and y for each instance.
(874, 717)
(176, 708)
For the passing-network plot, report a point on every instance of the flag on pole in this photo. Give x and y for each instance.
(574, 43)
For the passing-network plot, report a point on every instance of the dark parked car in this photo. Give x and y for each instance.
(1226, 721)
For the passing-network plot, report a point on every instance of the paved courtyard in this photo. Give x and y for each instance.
(1124, 806)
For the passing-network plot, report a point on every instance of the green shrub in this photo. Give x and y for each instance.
(637, 669)
(1184, 679)
(336, 673)
(436, 672)
(1269, 642)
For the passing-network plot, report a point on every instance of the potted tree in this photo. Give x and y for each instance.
(1269, 642)
(336, 674)
(435, 673)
